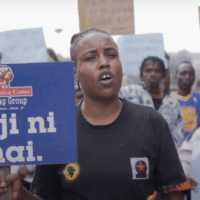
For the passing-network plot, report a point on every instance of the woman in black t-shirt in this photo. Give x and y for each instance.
(99, 73)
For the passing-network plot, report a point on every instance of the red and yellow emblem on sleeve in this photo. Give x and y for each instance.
(153, 196)
(175, 188)
(71, 172)
(169, 189)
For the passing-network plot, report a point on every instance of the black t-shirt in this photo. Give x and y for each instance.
(127, 159)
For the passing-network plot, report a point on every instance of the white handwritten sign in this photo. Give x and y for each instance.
(113, 16)
(134, 48)
(23, 46)
(199, 15)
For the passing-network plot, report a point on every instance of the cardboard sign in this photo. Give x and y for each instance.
(195, 169)
(23, 46)
(37, 114)
(134, 48)
(113, 16)
(199, 16)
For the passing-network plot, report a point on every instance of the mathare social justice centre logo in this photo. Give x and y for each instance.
(8, 94)
(6, 76)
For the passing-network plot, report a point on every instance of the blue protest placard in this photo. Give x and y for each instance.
(37, 114)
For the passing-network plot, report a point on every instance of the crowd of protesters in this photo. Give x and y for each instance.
(139, 137)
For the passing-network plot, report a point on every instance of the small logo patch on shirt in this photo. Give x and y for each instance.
(140, 168)
(71, 172)
(153, 196)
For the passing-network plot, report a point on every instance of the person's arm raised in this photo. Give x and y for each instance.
(18, 191)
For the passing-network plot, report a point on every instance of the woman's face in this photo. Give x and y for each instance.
(98, 68)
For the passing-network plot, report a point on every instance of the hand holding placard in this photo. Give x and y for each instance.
(4, 189)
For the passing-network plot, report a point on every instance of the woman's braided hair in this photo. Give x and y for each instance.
(76, 39)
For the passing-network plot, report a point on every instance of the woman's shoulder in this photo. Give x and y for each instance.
(141, 110)
(144, 116)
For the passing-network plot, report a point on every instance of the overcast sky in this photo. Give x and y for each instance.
(178, 20)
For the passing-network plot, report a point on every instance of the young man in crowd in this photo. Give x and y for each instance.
(189, 101)
(152, 74)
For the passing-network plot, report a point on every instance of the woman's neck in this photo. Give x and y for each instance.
(101, 112)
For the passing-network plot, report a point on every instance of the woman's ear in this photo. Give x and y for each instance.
(76, 75)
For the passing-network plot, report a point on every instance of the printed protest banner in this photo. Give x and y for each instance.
(37, 114)
(195, 170)
(114, 16)
(23, 46)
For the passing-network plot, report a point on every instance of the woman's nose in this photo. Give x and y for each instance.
(104, 62)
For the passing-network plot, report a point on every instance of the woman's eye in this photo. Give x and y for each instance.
(90, 58)
(112, 55)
